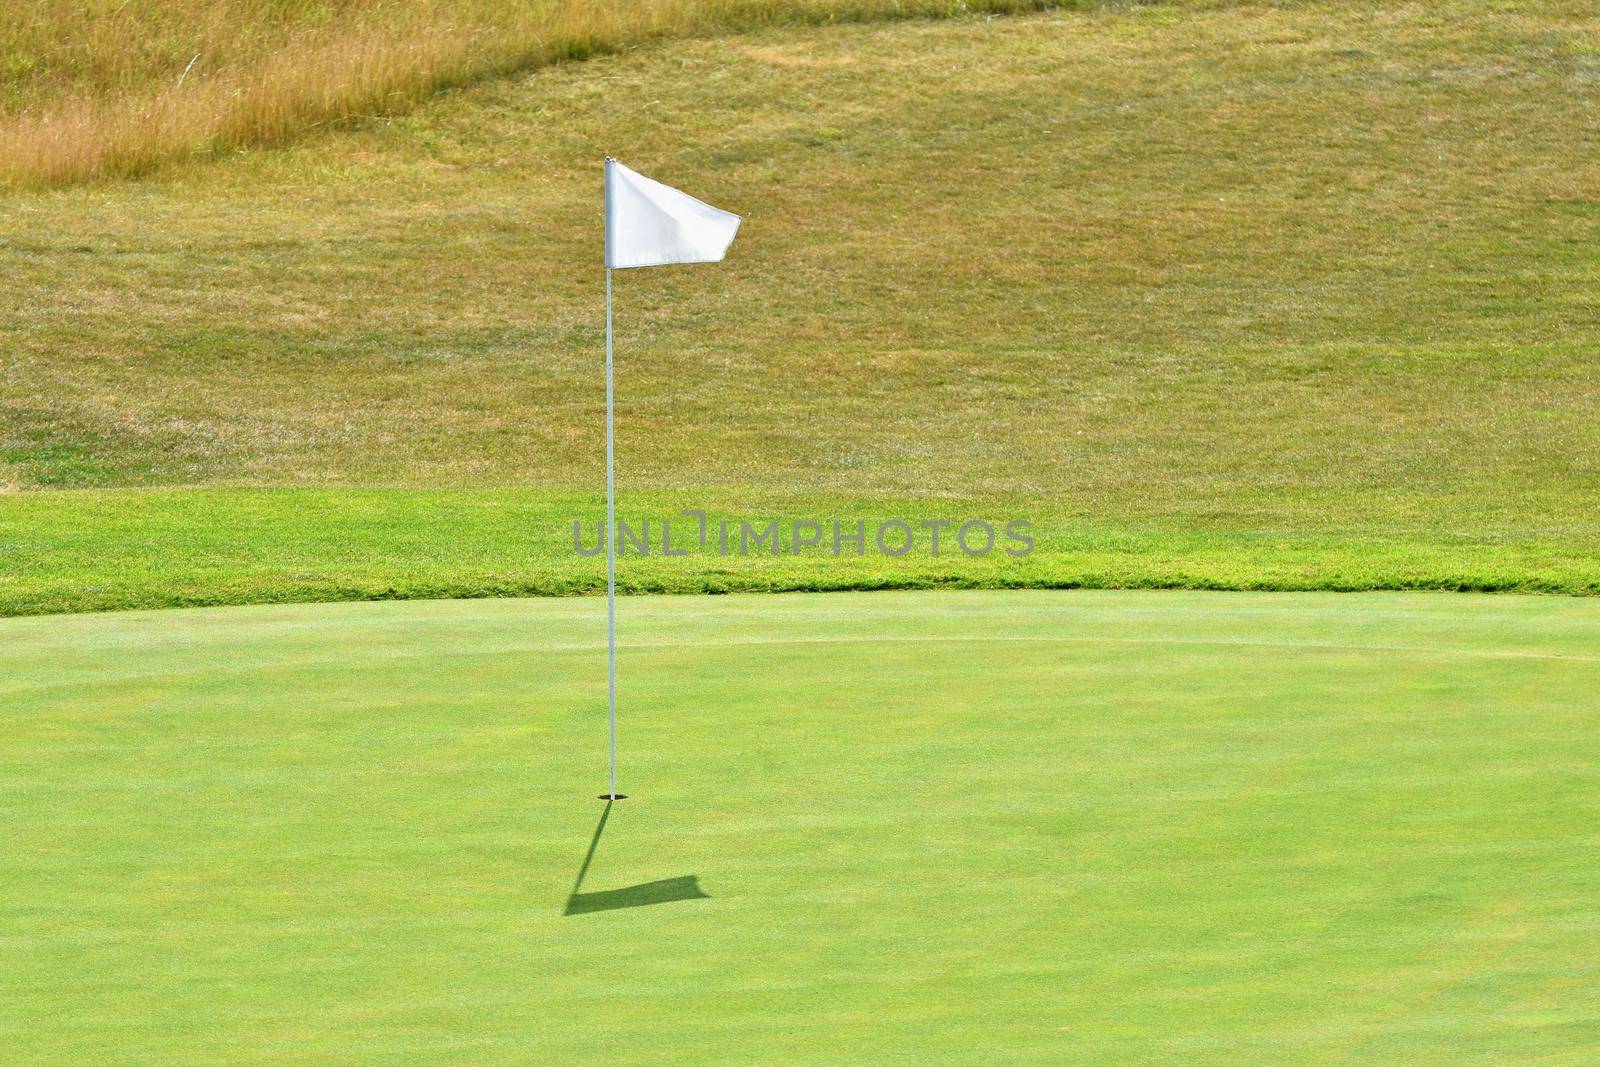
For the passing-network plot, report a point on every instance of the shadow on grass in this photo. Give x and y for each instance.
(661, 891)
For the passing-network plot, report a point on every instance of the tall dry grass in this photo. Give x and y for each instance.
(97, 89)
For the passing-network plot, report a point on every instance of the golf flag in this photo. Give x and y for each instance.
(649, 224)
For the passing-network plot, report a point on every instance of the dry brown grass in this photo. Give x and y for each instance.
(113, 91)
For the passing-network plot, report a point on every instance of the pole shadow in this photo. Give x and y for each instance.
(661, 891)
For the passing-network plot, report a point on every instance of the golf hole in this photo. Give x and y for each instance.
(613, 796)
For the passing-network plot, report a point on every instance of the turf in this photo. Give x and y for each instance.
(98, 550)
(1319, 275)
(890, 827)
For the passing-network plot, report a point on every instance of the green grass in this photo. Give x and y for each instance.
(1231, 274)
(931, 828)
(91, 551)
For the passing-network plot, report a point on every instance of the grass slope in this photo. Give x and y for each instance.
(115, 88)
(1259, 277)
(1022, 827)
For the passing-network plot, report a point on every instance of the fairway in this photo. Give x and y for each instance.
(879, 827)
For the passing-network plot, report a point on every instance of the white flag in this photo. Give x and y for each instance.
(649, 224)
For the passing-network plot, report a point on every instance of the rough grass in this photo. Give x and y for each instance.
(1250, 278)
(114, 88)
(932, 828)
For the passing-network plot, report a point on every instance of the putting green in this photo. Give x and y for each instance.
(905, 827)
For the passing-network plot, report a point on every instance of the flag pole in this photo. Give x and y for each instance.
(611, 510)
(611, 548)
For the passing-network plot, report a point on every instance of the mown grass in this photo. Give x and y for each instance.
(1246, 278)
(932, 828)
(88, 551)
(113, 89)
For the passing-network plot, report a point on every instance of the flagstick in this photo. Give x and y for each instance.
(676, 228)
(611, 545)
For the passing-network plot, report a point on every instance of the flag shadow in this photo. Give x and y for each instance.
(661, 891)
